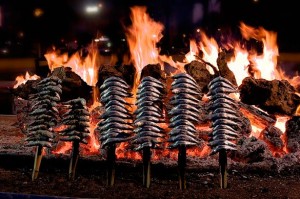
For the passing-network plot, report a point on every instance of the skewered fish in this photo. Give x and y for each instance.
(148, 114)
(224, 116)
(76, 120)
(43, 113)
(116, 121)
(184, 114)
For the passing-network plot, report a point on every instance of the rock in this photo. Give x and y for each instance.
(199, 72)
(154, 70)
(275, 97)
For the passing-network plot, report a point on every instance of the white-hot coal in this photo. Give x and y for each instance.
(115, 123)
(185, 111)
(43, 112)
(76, 120)
(149, 114)
(224, 114)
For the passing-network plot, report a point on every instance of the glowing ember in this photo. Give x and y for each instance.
(23, 79)
(280, 122)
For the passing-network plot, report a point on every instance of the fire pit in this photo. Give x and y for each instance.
(232, 109)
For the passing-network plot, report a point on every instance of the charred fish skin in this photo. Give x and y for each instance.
(76, 120)
(184, 114)
(149, 113)
(224, 115)
(43, 112)
(115, 125)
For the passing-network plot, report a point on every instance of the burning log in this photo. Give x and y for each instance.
(116, 121)
(184, 115)
(149, 112)
(258, 117)
(292, 134)
(275, 97)
(76, 123)
(225, 118)
(43, 117)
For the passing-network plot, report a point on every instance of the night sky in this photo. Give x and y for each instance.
(66, 19)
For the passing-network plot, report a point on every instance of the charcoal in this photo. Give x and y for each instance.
(293, 134)
(275, 97)
(250, 150)
(271, 135)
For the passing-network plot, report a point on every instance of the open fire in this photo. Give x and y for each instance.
(207, 58)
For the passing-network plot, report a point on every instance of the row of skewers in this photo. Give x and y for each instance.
(143, 127)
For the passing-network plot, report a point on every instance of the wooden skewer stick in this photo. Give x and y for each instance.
(223, 168)
(182, 166)
(74, 160)
(146, 167)
(111, 163)
(37, 162)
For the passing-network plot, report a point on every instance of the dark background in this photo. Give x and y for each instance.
(65, 21)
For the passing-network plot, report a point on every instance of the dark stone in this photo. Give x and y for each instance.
(128, 73)
(24, 90)
(199, 72)
(154, 70)
(73, 86)
(271, 135)
(275, 97)
(107, 71)
(293, 134)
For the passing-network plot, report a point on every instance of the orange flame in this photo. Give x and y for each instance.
(142, 37)
(21, 79)
(86, 67)
(267, 62)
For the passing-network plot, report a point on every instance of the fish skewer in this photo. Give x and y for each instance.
(184, 115)
(76, 122)
(115, 125)
(42, 105)
(147, 116)
(225, 119)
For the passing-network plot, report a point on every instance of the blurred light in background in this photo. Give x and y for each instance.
(38, 12)
(93, 9)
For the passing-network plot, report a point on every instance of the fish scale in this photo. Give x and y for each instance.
(115, 125)
(148, 114)
(184, 113)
